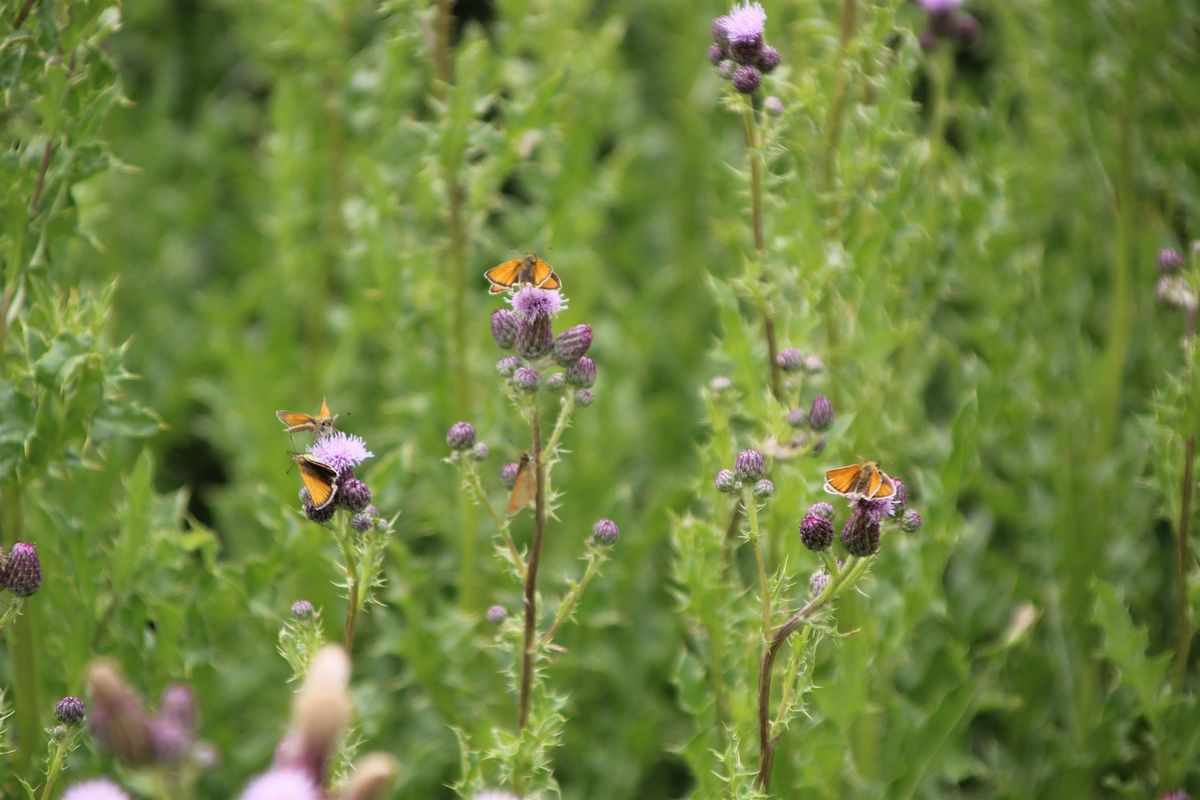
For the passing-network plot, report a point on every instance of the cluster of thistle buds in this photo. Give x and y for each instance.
(739, 50)
(1176, 285)
(343, 452)
(21, 570)
(864, 527)
(541, 359)
(946, 21)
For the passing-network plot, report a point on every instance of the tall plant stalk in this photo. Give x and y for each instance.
(754, 154)
(535, 554)
(1183, 632)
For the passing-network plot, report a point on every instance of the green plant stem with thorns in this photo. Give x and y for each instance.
(838, 582)
(750, 124)
(475, 486)
(353, 580)
(535, 554)
(764, 586)
(595, 558)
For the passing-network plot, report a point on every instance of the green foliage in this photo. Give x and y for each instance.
(213, 210)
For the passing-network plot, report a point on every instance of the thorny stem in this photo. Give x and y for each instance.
(352, 580)
(790, 678)
(572, 599)
(476, 488)
(560, 425)
(764, 588)
(756, 220)
(1183, 639)
(845, 578)
(60, 749)
(535, 554)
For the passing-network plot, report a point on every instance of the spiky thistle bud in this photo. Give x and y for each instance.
(817, 582)
(820, 415)
(479, 452)
(557, 383)
(797, 417)
(773, 106)
(461, 436)
(860, 534)
(1170, 260)
(911, 522)
(311, 511)
(302, 609)
(584, 398)
(789, 359)
(749, 465)
(764, 489)
(726, 481)
(822, 509)
(768, 60)
(572, 344)
(526, 380)
(497, 614)
(816, 531)
(504, 328)
(582, 373)
(353, 494)
(507, 365)
(747, 79)
(69, 711)
(716, 54)
(22, 570)
(508, 474)
(605, 533)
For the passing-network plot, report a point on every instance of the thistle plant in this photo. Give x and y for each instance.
(360, 533)
(20, 578)
(542, 364)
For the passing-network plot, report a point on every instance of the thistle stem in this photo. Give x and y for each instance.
(750, 125)
(352, 581)
(595, 558)
(1183, 638)
(476, 487)
(764, 587)
(567, 405)
(535, 554)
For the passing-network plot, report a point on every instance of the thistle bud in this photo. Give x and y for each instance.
(504, 328)
(768, 60)
(497, 614)
(69, 711)
(534, 337)
(749, 465)
(572, 344)
(716, 54)
(507, 365)
(479, 452)
(302, 609)
(860, 535)
(582, 373)
(22, 573)
(817, 582)
(821, 509)
(789, 359)
(362, 521)
(315, 514)
(353, 494)
(557, 383)
(813, 364)
(911, 521)
(816, 531)
(605, 533)
(901, 495)
(461, 436)
(764, 489)
(747, 79)
(584, 398)
(797, 417)
(773, 106)
(820, 415)
(726, 481)
(526, 380)
(1170, 260)
(508, 474)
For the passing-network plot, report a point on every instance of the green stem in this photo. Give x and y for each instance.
(566, 405)
(750, 125)
(481, 498)
(764, 587)
(535, 555)
(595, 558)
(58, 755)
(350, 562)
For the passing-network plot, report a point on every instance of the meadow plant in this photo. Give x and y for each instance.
(544, 366)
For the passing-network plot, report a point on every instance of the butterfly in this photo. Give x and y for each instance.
(524, 489)
(319, 478)
(529, 269)
(864, 481)
(320, 424)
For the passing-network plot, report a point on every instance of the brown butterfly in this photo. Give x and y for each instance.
(524, 489)
(319, 478)
(865, 481)
(529, 269)
(321, 424)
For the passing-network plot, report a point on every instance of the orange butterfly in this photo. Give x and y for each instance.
(321, 424)
(529, 269)
(319, 478)
(864, 481)
(524, 489)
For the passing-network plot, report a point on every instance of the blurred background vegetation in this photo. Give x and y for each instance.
(253, 205)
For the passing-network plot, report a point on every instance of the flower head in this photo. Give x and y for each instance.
(1170, 260)
(764, 489)
(69, 711)
(461, 436)
(504, 328)
(508, 474)
(507, 365)
(749, 465)
(302, 609)
(531, 303)
(1172, 290)
(768, 60)
(911, 522)
(860, 534)
(584, 398)
(901, 495)
(479, 452)
(744, 24)
(747, 79)
(99, 789)
(526, 379)
(323, 514)
(282, 784)
(341, 451)
(726, 481)
(22, 573)
(572, 343)
(557, 383)
(496, 614)
(353, 494)
(877, 509)
(605, 533)
(817, 582)
(797, 417)
(535, 337)
(582, 373)
(822, 509)
(816, 531)
(362, 521)
(820, 415)
(772, 105)
(789, 359)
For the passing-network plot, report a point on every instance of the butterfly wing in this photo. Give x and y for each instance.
(524, 489)
(886, 488)
(843, 480)
(503, 276)
(319, 478)
(324, 409)
(544, 276)
(296, 421)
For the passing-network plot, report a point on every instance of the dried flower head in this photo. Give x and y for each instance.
(461, 436)
(22, 574)
(69, 711)
(605, 533)
(749, 465)
(504, 328)
(286, 783)
(816, 531)
(98, 789)
(340, 450)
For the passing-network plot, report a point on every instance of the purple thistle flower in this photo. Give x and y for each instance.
(860, 534)
(820, 415)
(789, 359)
(302, 609)
(98, 789)
(461, 436)
(911, 522)
(817, 582)
(506, 366)
(353, 494)
(312, 512)
(69, 711)
(362, 521)
(531, 303)
(726, 481)
(504, 328)
(746, 79)
(572, 344)
(496, 614)
(534, 337)
(1170, 260)
(901, 495)
(584, 398)
(22, 574)
(816, 531)
(822, 509)
(773, 105)
(605, 533)
(768, 60)
(341, 451)
(582, 373)
(526, 379)
(749, 465)
(877, 509)
(282, 784)
(797, 417)
(744, 24)
(508, 474)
